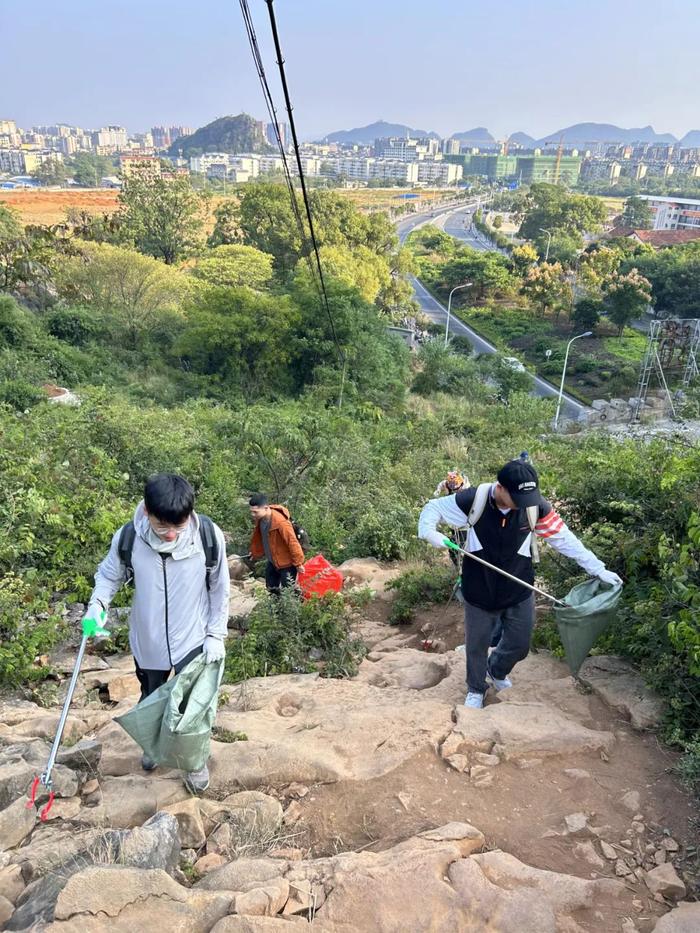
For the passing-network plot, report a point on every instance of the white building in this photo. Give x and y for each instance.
(441, 173)
(111, 137)
(674, 213)
(396, 148)
(406, 172)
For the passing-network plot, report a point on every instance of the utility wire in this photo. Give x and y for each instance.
(295, 142)
(257, 59)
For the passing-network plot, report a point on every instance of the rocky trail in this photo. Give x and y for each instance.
(373, 804)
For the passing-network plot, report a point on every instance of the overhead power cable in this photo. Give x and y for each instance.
(317, 272)
(295, 143)
(270, 104)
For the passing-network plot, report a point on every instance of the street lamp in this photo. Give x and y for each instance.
(549, 242)
(588, 333)
(449, 306)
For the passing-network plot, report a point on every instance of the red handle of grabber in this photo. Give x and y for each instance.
(32, 793)
(44, 815)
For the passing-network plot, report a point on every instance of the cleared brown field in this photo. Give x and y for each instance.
(50, 207)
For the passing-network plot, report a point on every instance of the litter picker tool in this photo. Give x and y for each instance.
(91, 628)
(504, 573)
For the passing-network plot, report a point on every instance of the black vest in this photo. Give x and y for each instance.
(501, 536)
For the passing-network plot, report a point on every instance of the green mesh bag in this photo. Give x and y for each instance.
(173, 725)
(589, 609)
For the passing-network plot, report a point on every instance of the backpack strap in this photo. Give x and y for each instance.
(125, 549)
(533, 516)
(480, 502)
(209, 544)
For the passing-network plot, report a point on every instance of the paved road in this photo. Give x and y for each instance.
(432, 308)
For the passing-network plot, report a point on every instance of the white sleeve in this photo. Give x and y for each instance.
(109, 576)
(439, 511)
(219, 589)
(566, 542)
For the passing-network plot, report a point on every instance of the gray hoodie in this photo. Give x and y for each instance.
(171, 611)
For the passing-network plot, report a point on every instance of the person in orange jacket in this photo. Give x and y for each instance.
(274, 538)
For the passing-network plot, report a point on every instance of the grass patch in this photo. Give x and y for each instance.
(219, 734)
(418, 588)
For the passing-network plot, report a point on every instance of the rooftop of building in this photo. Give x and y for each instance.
(666, 200)
(657, 238)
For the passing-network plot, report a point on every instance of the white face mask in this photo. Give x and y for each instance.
(156, 543)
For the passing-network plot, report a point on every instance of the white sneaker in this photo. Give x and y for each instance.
(474, 700)
(499, 685)
(197, 782)
(462, 648)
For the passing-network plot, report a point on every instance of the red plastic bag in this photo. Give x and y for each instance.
(317, 577)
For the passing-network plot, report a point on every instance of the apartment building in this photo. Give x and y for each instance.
(674, 213)
(439, 173)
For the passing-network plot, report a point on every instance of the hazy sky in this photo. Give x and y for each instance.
(443, 65)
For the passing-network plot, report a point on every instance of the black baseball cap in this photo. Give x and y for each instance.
(522, 483)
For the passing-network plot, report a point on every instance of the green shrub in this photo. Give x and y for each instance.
(416, 589)
(19, 394)
(384, 533)
(74, 325)
(286, 634)
(16, 324)
(28, 627)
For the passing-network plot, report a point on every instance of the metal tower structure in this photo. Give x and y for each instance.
(672, 346)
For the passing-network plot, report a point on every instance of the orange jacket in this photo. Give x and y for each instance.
(284, 546)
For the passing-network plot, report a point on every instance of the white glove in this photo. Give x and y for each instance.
(607, 576)
(213, 649)
(436, 538)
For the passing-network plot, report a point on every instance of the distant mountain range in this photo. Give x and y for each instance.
(578, 134)
(365, 135)
(479, 135)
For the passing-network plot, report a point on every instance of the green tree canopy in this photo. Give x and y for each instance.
(487, 271)
(89, 169)
(133, 289)
(552, 208)
(162, 217)
(242, 338)
(626, 297)
(674, 274)
(637, 214)
(547, 288)
(50, 172)
(234, 266)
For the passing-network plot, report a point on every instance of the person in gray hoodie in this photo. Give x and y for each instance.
(179, 608)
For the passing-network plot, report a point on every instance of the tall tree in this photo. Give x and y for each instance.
(163, 218)
(547, 288)
(51, 172)
(551, 208)
(637, 214)
(135, 290)
(626, 297)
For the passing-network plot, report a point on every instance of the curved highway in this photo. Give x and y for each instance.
(455, 221)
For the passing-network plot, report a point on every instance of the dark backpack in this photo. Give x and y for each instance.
(302, 535)
(127, 536)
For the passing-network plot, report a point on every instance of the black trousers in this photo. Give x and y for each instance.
(276, 579)
(151, 680)
(480, 626)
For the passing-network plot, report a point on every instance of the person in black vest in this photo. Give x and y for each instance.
(503, 536)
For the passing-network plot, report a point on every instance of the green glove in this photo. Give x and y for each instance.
(94, 627)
